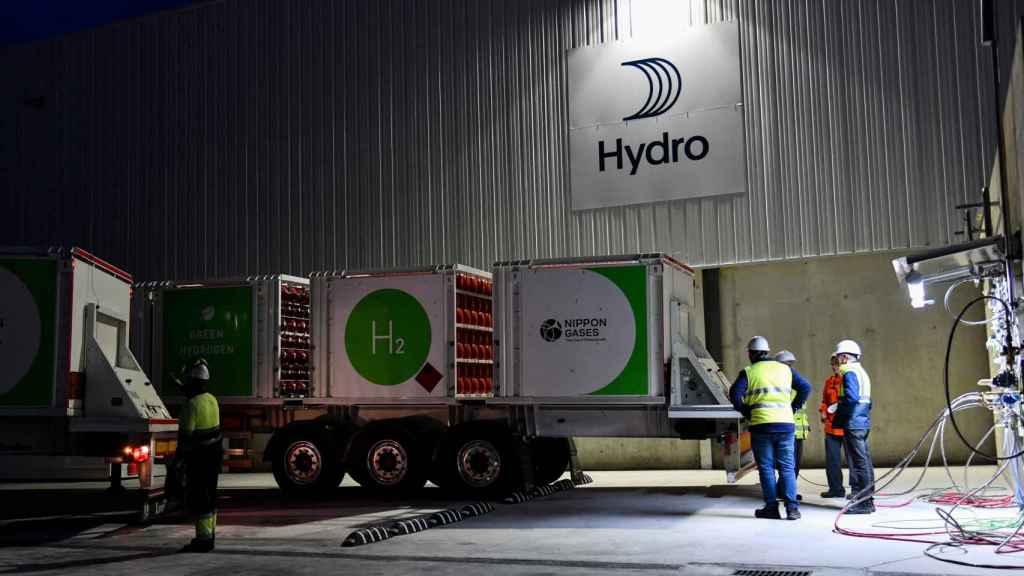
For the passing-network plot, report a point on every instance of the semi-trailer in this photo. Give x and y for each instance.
(74, 402)
(474, 380)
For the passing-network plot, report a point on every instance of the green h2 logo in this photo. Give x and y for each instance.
(387, 337)
(394, 345)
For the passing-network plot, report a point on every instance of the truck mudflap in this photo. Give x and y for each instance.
(737, 455)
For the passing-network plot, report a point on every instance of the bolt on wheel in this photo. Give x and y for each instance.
(303, 462)
(479, 463)
(388, 462)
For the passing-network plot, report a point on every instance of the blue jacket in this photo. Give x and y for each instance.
(854, 411)
(739, 390)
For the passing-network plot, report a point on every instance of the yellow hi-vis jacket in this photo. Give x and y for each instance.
(803, 427)
(199, 423)
(769, 393)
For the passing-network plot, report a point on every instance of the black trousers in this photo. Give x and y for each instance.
(834, 463)
(858, 457)
(202, 467)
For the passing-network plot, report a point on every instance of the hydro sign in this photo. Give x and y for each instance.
(655, 121)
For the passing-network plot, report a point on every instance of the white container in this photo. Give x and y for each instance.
(418, 335)
(590, 330)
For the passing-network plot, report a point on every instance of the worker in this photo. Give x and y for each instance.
(801, 426)
(853, 415)
(833, 435)
(763, 394)
(199, 447)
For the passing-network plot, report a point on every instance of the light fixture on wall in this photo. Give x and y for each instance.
(975, 260)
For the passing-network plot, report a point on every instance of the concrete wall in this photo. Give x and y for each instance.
(637, 454)
(807, 306)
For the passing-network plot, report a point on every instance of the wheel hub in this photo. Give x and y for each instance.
(479, 463)
(388, 462)
(303, 463)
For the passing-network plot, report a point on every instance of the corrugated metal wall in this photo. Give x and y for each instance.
(268, 136)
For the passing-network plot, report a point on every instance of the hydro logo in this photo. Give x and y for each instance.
(551, 330)
(664, 86)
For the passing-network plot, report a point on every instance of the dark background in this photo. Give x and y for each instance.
(22, 22)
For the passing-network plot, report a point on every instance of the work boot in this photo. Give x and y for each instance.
(831, 494)
(201, 545)
(862, 508)
(769, 512)
(792, 513)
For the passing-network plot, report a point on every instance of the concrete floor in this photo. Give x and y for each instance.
(650, 523)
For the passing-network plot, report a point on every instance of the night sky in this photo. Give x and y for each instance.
(27, 20)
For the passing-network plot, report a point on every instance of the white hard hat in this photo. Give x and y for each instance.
(847, 347)
(785, 356)
(200, 371)
(758, 344)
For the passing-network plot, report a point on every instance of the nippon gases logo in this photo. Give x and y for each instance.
(574, 329)
(664, 86)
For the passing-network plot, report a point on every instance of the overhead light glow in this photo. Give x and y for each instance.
(917, 299)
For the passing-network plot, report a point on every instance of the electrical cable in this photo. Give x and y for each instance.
(960, 532)
(945, 303)
(945, 377)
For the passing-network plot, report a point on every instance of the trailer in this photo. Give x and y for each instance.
(476, 381)
(74, 402)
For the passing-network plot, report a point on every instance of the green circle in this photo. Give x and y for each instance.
(387, 337)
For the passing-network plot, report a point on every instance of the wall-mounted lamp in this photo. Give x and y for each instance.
(970, 260)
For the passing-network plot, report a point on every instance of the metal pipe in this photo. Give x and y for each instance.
(1004, 193)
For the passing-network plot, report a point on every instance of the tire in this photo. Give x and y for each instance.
(387, 457)
(479, 459)
(550, 459)
(308, 464)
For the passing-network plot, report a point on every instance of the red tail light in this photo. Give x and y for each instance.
(136, 453)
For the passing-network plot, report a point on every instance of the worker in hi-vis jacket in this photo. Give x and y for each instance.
(199, 447)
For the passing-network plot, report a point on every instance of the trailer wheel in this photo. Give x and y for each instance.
(480, 459)
(307, 465)
(385, 457)
(550, 459)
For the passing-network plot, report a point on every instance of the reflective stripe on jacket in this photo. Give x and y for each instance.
(769, 393)
(803, 427)
(854, 412)
(199, 424)
(829, 396)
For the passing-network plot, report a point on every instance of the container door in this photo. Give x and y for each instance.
(215, 323)
(388, 336)
(28, 332)
(584, 332)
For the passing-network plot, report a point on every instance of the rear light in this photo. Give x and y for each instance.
(136, 453)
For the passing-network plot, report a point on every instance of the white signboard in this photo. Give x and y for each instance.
(654, 121)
